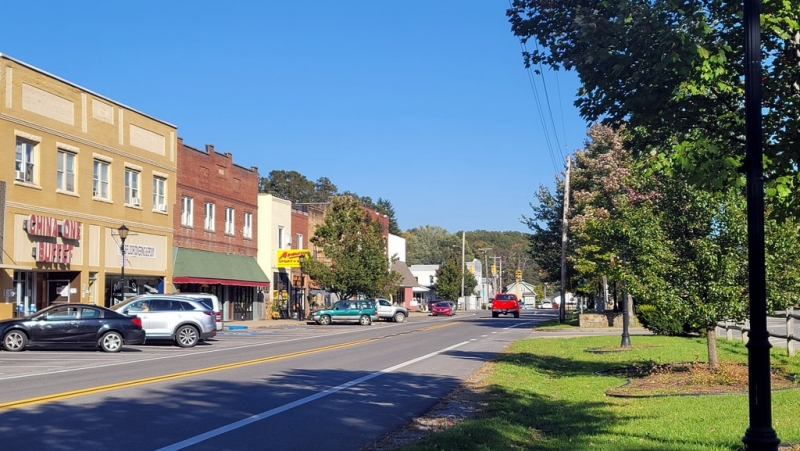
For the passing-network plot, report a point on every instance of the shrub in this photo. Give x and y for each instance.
(660, 323)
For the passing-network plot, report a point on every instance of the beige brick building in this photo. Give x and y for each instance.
(77, 166)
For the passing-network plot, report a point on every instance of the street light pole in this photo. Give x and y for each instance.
(123, 234)
(760, 435)
(302, 259)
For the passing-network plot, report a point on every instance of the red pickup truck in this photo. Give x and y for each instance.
(505, 303)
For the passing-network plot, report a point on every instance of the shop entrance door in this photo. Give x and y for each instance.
(55, 288)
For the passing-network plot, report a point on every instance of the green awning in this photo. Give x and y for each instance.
(196, 266)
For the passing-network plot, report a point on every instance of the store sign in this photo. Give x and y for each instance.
(53, 253)
(136, 250)
(289, 258)
(38, 225)
(44, 226)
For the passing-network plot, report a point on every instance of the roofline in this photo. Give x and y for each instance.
(44, 72)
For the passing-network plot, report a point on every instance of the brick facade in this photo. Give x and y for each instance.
(211, 177)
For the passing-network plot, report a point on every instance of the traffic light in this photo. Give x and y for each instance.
(494, 270)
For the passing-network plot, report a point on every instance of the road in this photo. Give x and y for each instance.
(338, 387)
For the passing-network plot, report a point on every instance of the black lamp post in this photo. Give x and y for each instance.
(760, 436)
(123, 234)
(300, 307)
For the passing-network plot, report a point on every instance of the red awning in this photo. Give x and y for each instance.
(243, 283)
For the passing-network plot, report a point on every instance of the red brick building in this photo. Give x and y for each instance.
(215, 231)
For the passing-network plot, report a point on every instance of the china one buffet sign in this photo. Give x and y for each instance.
(48, 252)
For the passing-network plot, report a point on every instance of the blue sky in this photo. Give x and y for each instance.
(425, 103)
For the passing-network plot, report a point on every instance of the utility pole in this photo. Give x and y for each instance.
(562, 309)
(463, 265)
(483, 279)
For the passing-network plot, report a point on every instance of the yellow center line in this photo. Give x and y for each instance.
(167, 377)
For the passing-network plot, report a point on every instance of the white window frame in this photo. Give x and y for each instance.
(299, 240)
(159, 193)
(65, 171)
(230, 221)
(187, 211)
(248, 225)
(25, 161)
(100, 182)
(210, 218)
(280, 237)
(132, 185)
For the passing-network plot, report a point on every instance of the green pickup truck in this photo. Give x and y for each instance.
(348, 310)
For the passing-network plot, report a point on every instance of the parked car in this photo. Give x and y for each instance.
(72, 324)
(362, 311)
(446, 308)
(180, 319)
(546, 304)
(211, 301)
(390, 312)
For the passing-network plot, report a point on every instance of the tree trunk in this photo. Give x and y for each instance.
(711, 339)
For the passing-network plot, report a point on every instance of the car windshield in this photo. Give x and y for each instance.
(443, 304)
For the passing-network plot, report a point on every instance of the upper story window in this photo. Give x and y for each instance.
(229, 221)
(65, 171)
(159, 194)
(210, 216)
(248, 225)
(25, 161)
(280, 237)
(299, 241)
(132, 187)
(187, 211)
(100, 180)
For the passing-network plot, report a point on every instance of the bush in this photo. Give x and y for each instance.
(659, 323)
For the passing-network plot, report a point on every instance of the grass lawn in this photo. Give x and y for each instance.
(546, 394)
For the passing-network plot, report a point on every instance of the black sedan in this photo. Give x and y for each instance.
(73, 325)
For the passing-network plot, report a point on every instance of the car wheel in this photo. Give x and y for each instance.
(516, 315)
(365, 320)
(15, 341)
(111, 342)
(324, 320)
(186, 336)
(399, 317)
(495, 314)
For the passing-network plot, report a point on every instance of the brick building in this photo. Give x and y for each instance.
(216, 231)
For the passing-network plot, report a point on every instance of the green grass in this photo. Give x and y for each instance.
(545, 394)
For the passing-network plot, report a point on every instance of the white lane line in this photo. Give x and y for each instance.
(272, 412)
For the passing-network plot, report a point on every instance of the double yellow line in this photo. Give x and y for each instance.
(167, 377)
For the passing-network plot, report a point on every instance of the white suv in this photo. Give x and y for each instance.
(181, 319)
(211, 301)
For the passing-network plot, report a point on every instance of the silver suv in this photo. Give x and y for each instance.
(177, 318)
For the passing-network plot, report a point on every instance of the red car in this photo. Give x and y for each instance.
(446, 308)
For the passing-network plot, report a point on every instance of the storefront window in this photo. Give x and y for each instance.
(135, 285)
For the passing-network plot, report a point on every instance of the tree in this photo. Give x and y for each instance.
(353, 249)
(324, 190)
(672, 72)
(429, 245)
(448, 279)
(385, 207)
(290, 185)
(545, 225)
